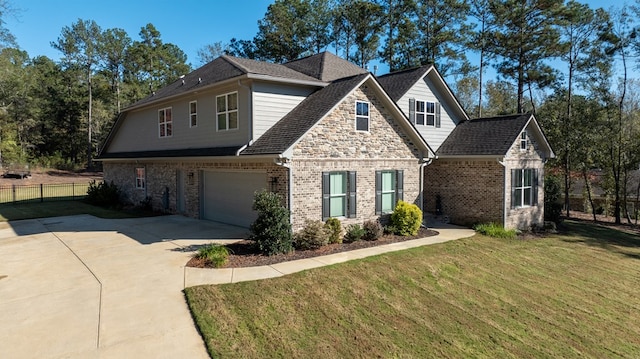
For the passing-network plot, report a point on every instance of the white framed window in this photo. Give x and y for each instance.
(389, 190)
(420, 112)
(424, 113)
(165, 123)
(362, 116)
(193, 114)
(523, 141)
(523, 187)
(227, 111)
(141, 182)
(430, 113)
(338, 194)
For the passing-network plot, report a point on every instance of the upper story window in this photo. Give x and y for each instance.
(362, 116)
(165, 122)
(523, 141)
(193, 114)
(227, 111)
(424, 113)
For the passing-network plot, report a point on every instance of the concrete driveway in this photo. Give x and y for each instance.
(85, 287)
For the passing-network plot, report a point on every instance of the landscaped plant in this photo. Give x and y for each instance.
(406, 219)
(214, 254)
(335, 230)
(355, 232)
(313, 235)
(495, 230)
(373, 230)
(271, 230)
(103, 194)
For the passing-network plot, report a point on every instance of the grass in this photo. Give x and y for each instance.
(571, 295)
(35, 192)
(495, 230)
(215, 254)
(11, 212)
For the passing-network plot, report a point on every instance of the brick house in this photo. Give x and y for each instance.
(331, 138)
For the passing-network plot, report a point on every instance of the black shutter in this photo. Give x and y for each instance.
(535, 187)
(351, 202)
(378, 192)
(412, 110)
(438, 115)
(399, 185)
(326, 196)
(513, 188)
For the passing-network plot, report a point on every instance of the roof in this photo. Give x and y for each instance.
(325, 66)
(484, 136)
(221, 69)
(189, 152)
(398, 83)
(296, 123)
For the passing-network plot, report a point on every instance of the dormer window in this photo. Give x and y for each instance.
(424, 113)
(523, 141)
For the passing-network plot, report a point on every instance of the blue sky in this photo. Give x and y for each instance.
(189, 24)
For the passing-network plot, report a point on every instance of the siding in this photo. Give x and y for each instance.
(272, 102)
(425, 91)
(139, 131)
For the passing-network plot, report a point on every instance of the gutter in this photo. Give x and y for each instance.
(504, 190)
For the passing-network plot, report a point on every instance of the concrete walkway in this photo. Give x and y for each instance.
(198, 276)
(85, 287)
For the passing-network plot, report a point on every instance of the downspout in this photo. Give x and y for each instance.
(423, 164)
(504, 190)
(286, 163)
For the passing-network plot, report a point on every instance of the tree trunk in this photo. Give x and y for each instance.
(89, 146)
(587, 184)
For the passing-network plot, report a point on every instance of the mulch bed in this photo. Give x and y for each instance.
(244, 254)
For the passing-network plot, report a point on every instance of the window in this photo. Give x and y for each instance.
(389, 189)
(193, 114)
(165, 122)
(227, 111)
(524, 187)
(424, 113)
(338, 194)
(140, 178)
(362, 116)
(523, 141)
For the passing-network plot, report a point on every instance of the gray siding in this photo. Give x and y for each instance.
(272, 102)
(139, 131)
(425, 91)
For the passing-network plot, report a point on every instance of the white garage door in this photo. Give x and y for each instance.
(228, 196)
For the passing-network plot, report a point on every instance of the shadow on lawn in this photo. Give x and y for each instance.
(603, 236)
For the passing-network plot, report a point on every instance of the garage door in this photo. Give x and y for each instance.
(228, 196)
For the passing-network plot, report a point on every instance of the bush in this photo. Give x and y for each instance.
(271, 230)
(355, 232)
(373, 230)
(335, 230)
(552, 195)
(214, 254)
(406, 219)
(495, 230)
(103, 194)
(313, 235)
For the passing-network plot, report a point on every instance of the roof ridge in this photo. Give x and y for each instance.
(407, 70)
(323, 61)
(233, 62)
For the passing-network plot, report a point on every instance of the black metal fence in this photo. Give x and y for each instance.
(43, 192)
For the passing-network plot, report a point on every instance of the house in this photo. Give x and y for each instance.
(331, 138)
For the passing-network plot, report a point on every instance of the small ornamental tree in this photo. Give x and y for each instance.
(271, 230)
(406, 219)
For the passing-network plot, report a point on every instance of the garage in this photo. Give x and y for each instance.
(228, 196)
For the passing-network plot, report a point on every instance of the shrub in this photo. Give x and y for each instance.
(271, 230)
(214, 254)
(334, 227)
(373, 230)
(313, 235)
(355, 232)
(406, 219)
(103, 194)
(552, 194)
(495, 230)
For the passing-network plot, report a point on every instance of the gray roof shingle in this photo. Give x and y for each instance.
(484, 136)
(398, 83)
(189, 152)
(296, 123)
(326, 67)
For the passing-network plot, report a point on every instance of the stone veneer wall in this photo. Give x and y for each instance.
(334, 145)
(162, 176)
(470, 190)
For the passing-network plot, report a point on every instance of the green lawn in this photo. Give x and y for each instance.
(572, 295)
(12, 212)
(36, 192)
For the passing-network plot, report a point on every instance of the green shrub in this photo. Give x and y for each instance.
(271, 230)
(103, 194)
(335, 230)
(313, 235)
(406, 219)
(214, 254)
(355, 232)
(552, 195)
(373, 230)
(495, 230)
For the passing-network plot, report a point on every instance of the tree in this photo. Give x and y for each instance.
(113, 50)
(79, 45)
(210, 52)
(283, 33)
(485, 22)
(6, 37)
(398, 49)
(500, 99)
(358, 24)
